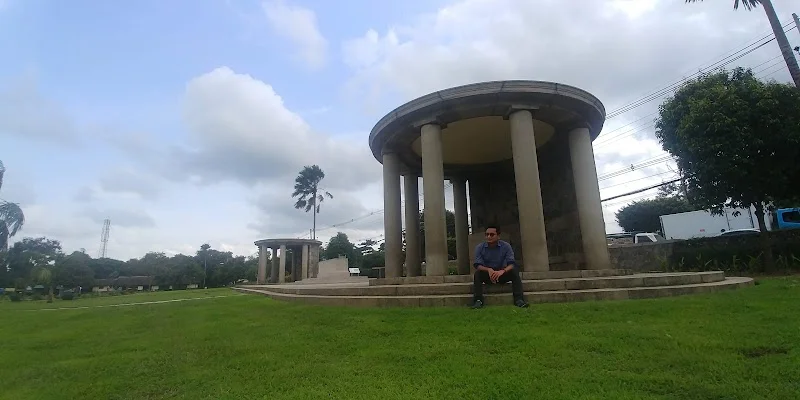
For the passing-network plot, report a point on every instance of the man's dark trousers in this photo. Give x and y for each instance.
(482, 277)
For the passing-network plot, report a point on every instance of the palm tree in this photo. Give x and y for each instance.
(11, 216)
(777, 29)
(306, 187)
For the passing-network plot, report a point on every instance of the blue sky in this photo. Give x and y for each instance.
(184, 122)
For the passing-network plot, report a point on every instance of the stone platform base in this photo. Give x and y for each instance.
(542, 288)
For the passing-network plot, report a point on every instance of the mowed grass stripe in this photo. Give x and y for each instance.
(740, 344)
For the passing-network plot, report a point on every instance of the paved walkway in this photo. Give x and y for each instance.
(134, 304)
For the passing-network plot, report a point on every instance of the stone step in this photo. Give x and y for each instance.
(505, 298)
(415, 280)
(539, 285)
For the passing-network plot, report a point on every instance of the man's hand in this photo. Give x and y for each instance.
(494, 275)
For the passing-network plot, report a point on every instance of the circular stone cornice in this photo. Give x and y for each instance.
(287, 242)
(562, 106)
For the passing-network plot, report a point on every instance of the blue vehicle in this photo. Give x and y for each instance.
(787, 218)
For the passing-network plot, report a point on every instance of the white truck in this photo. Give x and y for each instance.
(702, 223)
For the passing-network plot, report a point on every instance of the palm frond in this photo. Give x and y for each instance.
(12, 217)
(747, 4)
(3, 236)
(306, 188)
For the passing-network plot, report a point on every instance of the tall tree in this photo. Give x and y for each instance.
(737, 139)
(310, 195)
(11, 216)
(642, 216)
(29, 254)
(340, 245)
(777, 29)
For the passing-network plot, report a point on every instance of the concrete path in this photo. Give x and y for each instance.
(134, 304)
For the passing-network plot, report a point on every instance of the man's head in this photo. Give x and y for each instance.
(492, 234)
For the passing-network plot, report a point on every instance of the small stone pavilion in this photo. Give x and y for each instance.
(524, 149)
(303, 253)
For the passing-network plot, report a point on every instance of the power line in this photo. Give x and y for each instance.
(641, 190)
(718, 65)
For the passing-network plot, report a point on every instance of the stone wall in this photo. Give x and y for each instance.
(493, 200)
(335, 267)
(644, 257)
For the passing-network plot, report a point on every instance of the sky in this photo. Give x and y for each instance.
(186, 122)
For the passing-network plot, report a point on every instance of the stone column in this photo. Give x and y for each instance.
(304, 263)
(413, 257)
(295, 273)
(262, 265)
(392, 216)
(529, 192)
(433, 192)
(462, 227)
(282, 265)
(274, 268)
(587, 194)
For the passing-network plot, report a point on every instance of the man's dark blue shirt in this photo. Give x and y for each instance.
(496, 258)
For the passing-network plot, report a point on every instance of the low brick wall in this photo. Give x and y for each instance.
(644, 257)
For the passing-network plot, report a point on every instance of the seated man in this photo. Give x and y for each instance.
(494, 263)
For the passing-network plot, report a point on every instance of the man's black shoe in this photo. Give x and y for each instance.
(476, 304)
(521, 303)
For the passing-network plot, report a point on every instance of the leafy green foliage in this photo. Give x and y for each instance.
(41, 261)
(642, 216)
(736, 138)
(736, 254)
(11, 217)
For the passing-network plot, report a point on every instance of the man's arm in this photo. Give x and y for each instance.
(479, 259)
(509, 260)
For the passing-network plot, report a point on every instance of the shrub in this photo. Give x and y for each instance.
(36, 297)
(67, 295)
(736, 254)
(14, 296)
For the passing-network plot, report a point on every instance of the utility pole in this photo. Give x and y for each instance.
(783, 42)
(796, 22)
(797, 26)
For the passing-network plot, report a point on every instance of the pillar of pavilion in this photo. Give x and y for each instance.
(518, 155)
(273, 254)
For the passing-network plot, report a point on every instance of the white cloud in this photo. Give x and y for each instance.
(619, 50)
(241, 130)
(27, 113)
(299, 25)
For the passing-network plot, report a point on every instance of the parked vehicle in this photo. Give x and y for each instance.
(634, 238)
(740, 232)
(702, 223)
(787, 218)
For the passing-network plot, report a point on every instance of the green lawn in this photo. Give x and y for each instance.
(742, 344)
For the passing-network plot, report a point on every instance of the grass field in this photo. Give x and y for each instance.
(742, 344)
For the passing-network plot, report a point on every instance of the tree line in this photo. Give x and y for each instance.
(41, 261)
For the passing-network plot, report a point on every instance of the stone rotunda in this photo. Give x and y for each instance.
(524, 149)
(520, 154)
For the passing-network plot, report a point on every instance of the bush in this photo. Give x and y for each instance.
(67, 295)
(736, 254)
(36, 297)
(14, 296)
